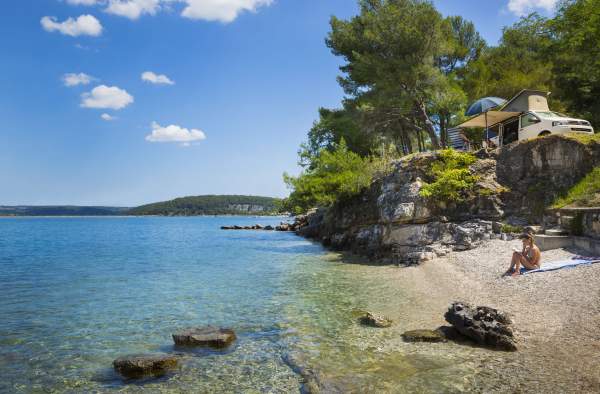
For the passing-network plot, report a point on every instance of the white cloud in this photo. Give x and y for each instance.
(523, 7)
(220, 10)
(106, 97)
(107, 117)
(156, 79)
(133, 9)
(83, 2)
(210, 10)
(83, 25)
(174, 133)
(72, 79)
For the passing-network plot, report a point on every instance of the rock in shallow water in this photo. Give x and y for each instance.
(140, 365)
(373, 320)
(205, 336)
(487, 326)
(424, 336)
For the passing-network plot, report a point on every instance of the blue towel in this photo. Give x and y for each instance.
(557, 265)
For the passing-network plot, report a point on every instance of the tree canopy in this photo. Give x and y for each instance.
(409, 74)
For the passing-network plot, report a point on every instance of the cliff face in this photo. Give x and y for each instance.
(538, 170)
(392, 222)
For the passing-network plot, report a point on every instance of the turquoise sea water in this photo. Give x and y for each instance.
(77, 293)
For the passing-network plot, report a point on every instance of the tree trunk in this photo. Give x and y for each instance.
(443, 131)
(424, 117)
(408, 142)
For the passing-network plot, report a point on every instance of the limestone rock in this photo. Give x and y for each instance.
(373, 320)
(283, 227)
(205, 336)
(140, 365)
(424, 336)
(486, 326)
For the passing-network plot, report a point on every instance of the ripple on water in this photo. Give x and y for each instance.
(79, 292)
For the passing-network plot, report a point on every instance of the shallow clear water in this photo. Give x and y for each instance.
(78, 292)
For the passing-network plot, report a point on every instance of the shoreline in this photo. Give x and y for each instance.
(138, 216)
(556, 315)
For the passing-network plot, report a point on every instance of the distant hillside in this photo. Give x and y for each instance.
(26, 210)
(211, 205)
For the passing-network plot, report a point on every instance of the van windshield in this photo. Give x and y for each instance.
(550, 114)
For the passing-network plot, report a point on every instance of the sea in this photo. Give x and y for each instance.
(78, 292)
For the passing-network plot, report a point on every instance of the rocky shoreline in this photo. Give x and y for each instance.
(391, 222)
(459, 250)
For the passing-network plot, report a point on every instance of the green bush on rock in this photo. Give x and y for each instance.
(333, 175)
(451, 176)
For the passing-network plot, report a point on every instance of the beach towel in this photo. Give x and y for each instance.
(557, 265)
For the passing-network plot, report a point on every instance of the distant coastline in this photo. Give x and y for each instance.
(208, 205)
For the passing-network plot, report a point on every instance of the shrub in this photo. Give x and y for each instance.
(451, 176)
(334, 175)
(510, 229)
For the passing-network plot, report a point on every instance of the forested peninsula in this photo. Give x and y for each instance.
(185, 206)
(211, 205)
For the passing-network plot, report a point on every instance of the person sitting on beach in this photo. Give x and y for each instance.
(530, 257)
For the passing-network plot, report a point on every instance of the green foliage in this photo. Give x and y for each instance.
(464, 44)
(330, 129)
(510, 229)
(522, 60)
(334, 175)
(390, 50)
(585, 139)
(451, 176)
(576, 57)
(409, 73)
(586, 193)
(211, 205)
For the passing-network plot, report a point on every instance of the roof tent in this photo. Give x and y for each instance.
(528, 100)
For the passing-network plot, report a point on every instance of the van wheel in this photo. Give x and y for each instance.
(544, 133)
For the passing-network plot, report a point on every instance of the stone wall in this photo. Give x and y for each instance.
(536, 171)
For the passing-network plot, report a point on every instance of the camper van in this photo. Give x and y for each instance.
(525, 116)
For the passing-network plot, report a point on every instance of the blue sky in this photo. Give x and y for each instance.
(124, 102)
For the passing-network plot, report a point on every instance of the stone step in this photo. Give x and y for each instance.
(556, 232)
(534, 229)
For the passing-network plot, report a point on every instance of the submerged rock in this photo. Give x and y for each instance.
(487, 326)
(141, 365)
(373, 320)
(424, 336)
(205, 336)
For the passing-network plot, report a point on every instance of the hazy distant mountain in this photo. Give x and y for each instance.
(67, 210)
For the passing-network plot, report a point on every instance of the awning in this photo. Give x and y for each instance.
(493, 117)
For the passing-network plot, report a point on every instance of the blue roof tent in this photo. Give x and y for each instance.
(484, 104)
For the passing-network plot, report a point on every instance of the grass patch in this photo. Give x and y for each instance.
(586, 193)
(451, 176)
(585, 139)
